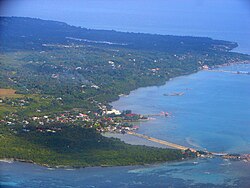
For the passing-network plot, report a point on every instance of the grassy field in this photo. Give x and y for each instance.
(10, 93)
(3, 107)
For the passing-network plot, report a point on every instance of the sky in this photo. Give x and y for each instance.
(102, 12)
(219, 19)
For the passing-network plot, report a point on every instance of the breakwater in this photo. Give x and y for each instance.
(163, 142)
(245, 157)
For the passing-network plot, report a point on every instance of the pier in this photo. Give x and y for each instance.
(244, 157)
(232, 72)
(163, 142)
(166, 114)
(219, 154)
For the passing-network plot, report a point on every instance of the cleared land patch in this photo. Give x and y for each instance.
(8, 93)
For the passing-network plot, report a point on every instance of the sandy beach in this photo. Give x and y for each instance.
(133, 140)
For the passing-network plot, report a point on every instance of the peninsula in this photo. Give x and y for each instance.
(57, 82)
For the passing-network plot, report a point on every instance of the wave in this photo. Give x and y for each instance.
(191, 142)
(6, 160)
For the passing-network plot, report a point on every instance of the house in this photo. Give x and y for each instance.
(35, 118)
(205, 67)
(113, 111)
(94, 86)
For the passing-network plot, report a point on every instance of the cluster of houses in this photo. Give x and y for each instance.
(107, 121)
(244, 157)
(15, 102)
(229, 63)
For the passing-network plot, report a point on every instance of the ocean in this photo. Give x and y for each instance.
(197, 173)
(213, 113)
(219, 19)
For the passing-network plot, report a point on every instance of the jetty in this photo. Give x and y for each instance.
(220, 154)
(163, 142)
(232, 72)
(174, 94)
(166, 114)
(199, 153)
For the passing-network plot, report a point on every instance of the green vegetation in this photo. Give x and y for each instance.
(75, 146)
(57, 68)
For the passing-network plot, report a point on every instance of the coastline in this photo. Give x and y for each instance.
(126, 138)
(134, 140)
(64, 167)
(231, 64)
(67, 167)
(184, 74)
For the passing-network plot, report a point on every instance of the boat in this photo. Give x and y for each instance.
(174, 94)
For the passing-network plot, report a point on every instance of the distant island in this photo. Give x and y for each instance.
(57, 82)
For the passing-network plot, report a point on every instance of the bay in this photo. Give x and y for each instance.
(213, 113)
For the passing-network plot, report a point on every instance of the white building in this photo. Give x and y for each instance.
(114, 111)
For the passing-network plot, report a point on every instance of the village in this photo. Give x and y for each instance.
(103, 120)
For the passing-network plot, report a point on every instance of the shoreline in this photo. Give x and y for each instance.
(134, 140)
(209, 69)
(184, 74)
(65, 167)
(131, 142)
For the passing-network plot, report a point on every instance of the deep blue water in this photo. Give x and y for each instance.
(219, 19)
(214, 112)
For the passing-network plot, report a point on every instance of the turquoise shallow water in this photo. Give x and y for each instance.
(213, 113)
(197, 173)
